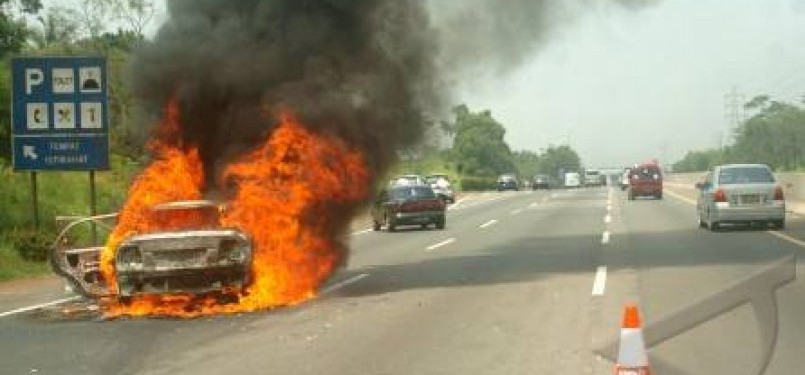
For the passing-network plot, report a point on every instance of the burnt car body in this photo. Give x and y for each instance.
(408, 205)
(194, 256)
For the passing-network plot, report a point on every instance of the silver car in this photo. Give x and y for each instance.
(740, 193)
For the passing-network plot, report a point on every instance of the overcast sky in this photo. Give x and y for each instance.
(623, 85)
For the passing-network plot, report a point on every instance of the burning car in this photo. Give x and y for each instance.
(195, 257)
(188, 253)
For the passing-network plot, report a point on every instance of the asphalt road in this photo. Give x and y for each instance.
(519, 283)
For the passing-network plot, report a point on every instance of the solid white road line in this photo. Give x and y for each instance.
(680, 197)
(788, 238)
(775, 233)
(532, 205)
(488, 224)
(517, 211)
(600, 282)
(341, 284)
(605, 238)
(440, 244)
(39, 306)
(608, 218)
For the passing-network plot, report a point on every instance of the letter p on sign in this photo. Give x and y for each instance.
(33, 77)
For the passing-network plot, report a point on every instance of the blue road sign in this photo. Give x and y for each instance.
(60, 116)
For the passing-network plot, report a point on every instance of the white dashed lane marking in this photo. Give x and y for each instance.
(341, 284)
(600, 282)
(440, 244)
(488, 224)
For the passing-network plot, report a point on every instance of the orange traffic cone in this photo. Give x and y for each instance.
(632, 359)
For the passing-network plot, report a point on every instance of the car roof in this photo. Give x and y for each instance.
(729, 166)
(403, 187)
(184, 205)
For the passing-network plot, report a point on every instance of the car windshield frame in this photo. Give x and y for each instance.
(411, 192)
(739, 175)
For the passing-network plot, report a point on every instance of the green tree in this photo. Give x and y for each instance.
(697, 161)
(59, 26)
(479, 146)
(559, 158)
(775, 135)
(527, 163)
(14, 31)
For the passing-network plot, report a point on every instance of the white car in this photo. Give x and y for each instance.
(440, 183)
(407, 180)
(740, 193)
(572, 180)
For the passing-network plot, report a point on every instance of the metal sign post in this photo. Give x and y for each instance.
(60, 117)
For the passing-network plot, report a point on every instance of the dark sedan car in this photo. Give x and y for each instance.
(408, 205)
(507, 182)
(541, 181)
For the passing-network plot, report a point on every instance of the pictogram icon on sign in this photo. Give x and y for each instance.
(33, 77)
(64, 115)
(37, 116)
(29, 152)
(91, 115)
(90, 79)
(63, 80)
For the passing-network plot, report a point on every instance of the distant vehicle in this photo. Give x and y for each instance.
(645, 181)
(407, 180)
(572, 180)
(508, 182)
(541, 181)
(624, 182)
(408, 205)
(592, 177)
(440, 183)
(740, 193)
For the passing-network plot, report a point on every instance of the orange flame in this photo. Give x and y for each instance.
(285, 193)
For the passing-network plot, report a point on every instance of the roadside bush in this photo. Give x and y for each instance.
(32, 245)
(478, 183)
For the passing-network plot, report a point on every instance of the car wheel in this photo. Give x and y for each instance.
(375, 225)
(659, 196)
(423, 226)
(715, 226)
(390, 225)
(702, 223)
(440, 224)
(779, 224)
(631, 196)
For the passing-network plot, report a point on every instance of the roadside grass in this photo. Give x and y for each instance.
(12, 265)
(60, 194)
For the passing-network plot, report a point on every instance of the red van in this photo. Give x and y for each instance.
(645, 181)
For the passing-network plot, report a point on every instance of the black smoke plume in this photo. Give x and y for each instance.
(360, 69)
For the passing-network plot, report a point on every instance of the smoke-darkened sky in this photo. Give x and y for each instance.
(627, 80)
(624, 85)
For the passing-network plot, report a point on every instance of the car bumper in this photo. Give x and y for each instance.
(427, 217)
(723, 212)
(199, 280)
(641, 191)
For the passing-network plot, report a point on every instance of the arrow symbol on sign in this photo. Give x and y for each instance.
(29, 152)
